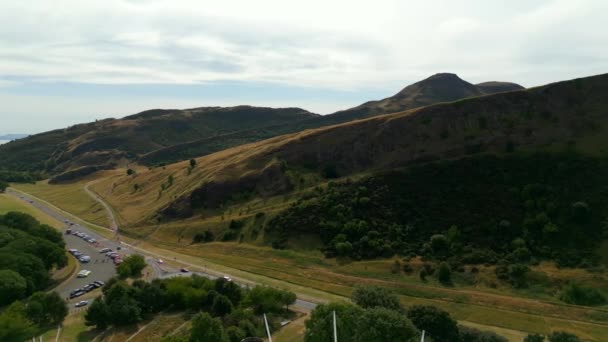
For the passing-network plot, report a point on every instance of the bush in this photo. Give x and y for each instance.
(130, 172)
(534, 338)
(474, 335)
(207, 236)
(373, 296)
(560, 336)
(580, 295)
(444, 274)
(131, 266)
(437, 323)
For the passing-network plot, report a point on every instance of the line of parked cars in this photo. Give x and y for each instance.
(81, 235)
(81, 257)
(85, 289)
(116, 258)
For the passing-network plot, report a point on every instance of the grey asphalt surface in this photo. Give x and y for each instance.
(101, 270)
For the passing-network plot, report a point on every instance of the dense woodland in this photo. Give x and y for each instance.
(485, 209)
(28, 252)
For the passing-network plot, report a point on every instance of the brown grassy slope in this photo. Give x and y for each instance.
(117, 141)
(563, 115)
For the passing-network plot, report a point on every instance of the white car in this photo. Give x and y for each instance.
(81, 303)
(83, 274)
(160, 261)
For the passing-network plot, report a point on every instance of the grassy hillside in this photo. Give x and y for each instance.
(114, 142)
(165, 136)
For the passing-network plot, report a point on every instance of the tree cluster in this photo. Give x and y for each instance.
(516, 209)
(28, 252)
(131, 266)
(377, 315)
(227, 312)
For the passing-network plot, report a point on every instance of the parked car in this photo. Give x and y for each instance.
(81, 303)
(84, 258)
(77, 254)
(184, 270)
(227, 278)
(83, 274)
(77, 294)
(99, 282)
(105, 250)
(72, 250)
(92, 240)
(160, 261)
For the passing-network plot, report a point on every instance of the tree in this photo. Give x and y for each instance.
(269, 300)
(423, 274)
(561, 336)
(14, 325)
(374, 296)
(235, 334)
(130, 172)
(221, 306)
(192, 163)
(124, 311)
(473, 335)
(12, 287)
(46, 308)
(319, 326)
(534, 338)
(229, 289)
(444, 274)
(207, 329)
(437, 323)
(380, 324)
(98, 314)
(439, 244)
(580, 295)
(3, 186)
(131, 266)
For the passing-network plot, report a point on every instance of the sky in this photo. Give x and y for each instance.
(64, 62)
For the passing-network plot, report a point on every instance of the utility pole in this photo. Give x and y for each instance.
(267, 329)
(335, 328)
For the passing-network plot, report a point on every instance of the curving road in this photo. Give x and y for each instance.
(105, 270)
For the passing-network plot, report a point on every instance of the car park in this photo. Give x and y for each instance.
(81, 303)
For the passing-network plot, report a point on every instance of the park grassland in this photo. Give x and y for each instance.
(10, 203)
(70, 197)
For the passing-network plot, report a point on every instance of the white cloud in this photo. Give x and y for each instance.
(336, 45)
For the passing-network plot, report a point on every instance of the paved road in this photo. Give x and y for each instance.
(103, 271)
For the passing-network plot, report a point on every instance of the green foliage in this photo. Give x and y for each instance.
(12, 287)
(561, 336)
(437, 323)
(553, 202)
(3, 186)
(444, 274)
(269, 300)
(374, 296)
(207, 329)
(98, 314)
(131, 266)
(192, 163)
(236, 224)
(7, 176)
(46, 309)
(319, 328)
(221, 306)
(473, 335)
(28, 252)
(534, 338)
(380, 324)
(14, 324)
(581, 295)
(207, 236)
(130, 172)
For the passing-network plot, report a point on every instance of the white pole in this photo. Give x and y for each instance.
(267, 329)
(335, 328)
(422, 338)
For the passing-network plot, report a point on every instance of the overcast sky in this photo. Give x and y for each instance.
(68, 61)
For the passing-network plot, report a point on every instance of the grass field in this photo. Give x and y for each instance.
(69, 197)
(10, 203)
